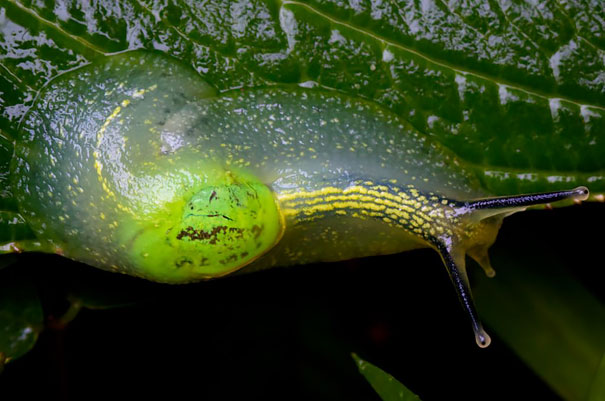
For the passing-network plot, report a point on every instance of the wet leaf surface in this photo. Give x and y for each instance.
(514, 89)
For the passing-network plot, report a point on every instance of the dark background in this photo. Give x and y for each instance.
(288, 333)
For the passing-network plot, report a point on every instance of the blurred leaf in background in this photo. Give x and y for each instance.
(387, 387)
(21, 318)
(597, 388)
(548, 318)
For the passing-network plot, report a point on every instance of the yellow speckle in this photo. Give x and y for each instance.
(138, 93)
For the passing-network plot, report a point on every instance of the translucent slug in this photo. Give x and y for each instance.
(136, 165)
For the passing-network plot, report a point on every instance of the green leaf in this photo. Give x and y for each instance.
(12, 225)
(597, 389)
(21, 318)
(514, 89)
(387, 387)
(546, 316)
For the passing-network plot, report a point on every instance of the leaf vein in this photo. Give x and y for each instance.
(58, 28)
(441, 63)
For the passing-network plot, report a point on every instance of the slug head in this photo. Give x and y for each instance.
(476, 225)
(219, 229)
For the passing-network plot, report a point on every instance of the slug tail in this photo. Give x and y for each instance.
(15, 234)
(456, 268)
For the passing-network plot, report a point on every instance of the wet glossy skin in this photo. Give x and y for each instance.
(136, 165)
(110, 147)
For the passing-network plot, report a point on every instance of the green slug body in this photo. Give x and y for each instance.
(136, 165)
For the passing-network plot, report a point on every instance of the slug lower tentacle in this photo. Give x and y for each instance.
(136, 165)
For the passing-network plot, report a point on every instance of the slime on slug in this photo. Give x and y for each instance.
(136, 165)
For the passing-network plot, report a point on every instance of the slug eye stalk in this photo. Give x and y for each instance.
(485, 214)
(517, 201)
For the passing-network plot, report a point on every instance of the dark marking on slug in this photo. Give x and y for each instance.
(182, 262)
(238, 231)
(231, 258)
(196, 235)
(209, 215)
(257, 231)
(213, 215)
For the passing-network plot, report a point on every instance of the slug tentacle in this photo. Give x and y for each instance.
(516, 203)
(456, 268)
(479, 223)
